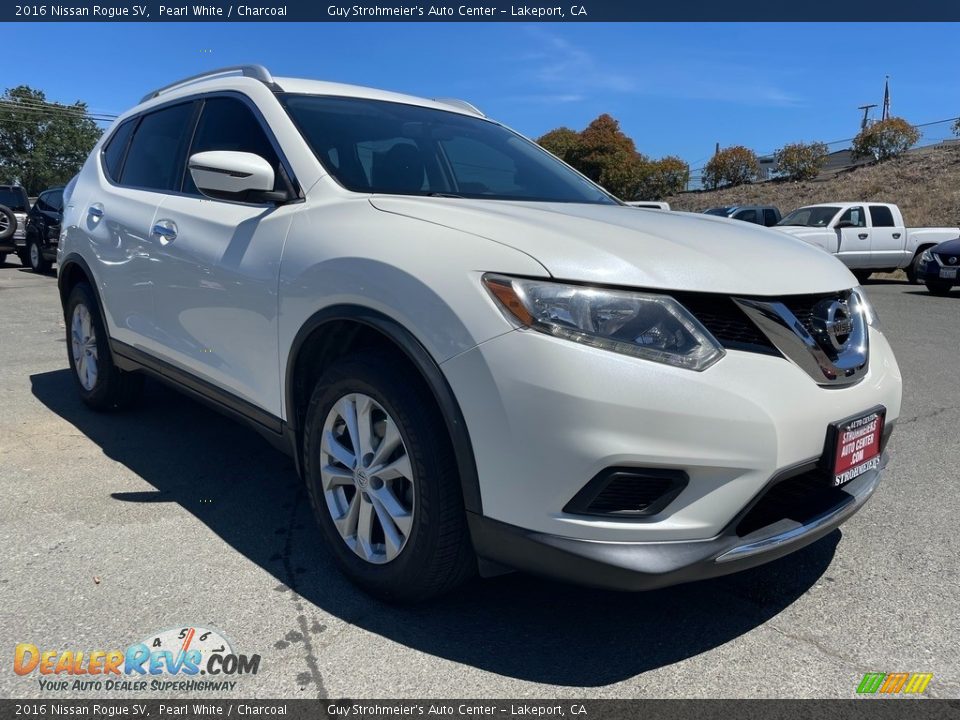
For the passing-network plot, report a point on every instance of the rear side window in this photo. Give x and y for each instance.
(228, 124)
(747, 216)
(14, 198)
(115, 149)
(153, 158)
(881, 215)
(769, 217)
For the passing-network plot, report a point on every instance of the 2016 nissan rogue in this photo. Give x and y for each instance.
(477, 356)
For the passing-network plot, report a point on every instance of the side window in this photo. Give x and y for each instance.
(228, 124)
(153, 158)
(747, 216)
(115, 150)
(881, 216)
(42, 204)
(854, 215)
(769, 217)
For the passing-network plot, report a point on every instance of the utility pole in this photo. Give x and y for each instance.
(866, 114)
(886, 99)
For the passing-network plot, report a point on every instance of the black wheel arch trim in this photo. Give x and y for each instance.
(64, 271)
(429, 369)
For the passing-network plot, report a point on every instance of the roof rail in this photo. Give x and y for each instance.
(258, 72)
(461, 104)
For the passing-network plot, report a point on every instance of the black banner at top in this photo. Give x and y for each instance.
(555, 11)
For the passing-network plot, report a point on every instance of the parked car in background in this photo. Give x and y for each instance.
(766, 215)
(39, 250)
(649, 204)
(939, 267)
(866, 237)
(14, 206)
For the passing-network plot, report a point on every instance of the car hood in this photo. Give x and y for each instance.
(948, 247)
(620, 245)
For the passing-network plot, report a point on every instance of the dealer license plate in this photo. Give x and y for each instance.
(857, 446)
(948, 273)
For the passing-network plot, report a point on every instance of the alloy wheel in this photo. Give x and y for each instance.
(367, 478)
(34, 255)
(83, 341)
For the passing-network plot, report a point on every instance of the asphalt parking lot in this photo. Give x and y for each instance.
(114, 527)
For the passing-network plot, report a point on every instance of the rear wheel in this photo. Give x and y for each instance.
(383, 481)
(38, 263)
(101, 384)
(938, 288)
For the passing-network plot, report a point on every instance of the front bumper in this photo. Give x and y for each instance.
(651, 565)
(931, 272)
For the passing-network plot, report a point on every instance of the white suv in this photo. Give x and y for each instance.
(477, 356)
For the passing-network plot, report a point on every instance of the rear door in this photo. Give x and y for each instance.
(216, 271)
(854, 249)
(888, 240)
(749, 215)
(138, 168)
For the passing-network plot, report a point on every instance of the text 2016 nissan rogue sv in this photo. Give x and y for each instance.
(477, 357)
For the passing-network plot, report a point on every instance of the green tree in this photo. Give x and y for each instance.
(42, 143)
(664, 177)
(801, 161)
(886, 139)
(562, 142)
(731, 166)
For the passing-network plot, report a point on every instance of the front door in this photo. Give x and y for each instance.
(216, 267)
(854, 238)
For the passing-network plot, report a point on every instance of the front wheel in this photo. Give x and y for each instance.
(383, 481)
(38, 263)
(913, 269)
(935, 287)
(101, 384)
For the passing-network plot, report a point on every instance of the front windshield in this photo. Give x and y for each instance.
(373, 146)
(810, 216)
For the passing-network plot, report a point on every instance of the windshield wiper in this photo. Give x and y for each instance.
(444, 194)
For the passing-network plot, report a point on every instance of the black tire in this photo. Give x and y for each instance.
(913, 269)
(113, 388)
(862, 275)
(24, 256)
(3, 258)
(437, 555)
(8, 222)
(938, 288)
(38, 263)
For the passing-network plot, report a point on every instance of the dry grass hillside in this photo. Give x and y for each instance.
(925, 184)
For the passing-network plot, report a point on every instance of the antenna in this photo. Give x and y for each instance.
(866, 114)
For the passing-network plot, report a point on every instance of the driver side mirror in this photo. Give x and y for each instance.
(232, 175)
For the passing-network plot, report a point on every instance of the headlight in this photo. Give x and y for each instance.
(926, 256)
(652, 327)
(869, 313)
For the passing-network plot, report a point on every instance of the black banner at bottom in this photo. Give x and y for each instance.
(874, 708)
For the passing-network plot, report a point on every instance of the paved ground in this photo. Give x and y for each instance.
(113, 527)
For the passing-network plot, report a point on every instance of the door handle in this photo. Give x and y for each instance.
(95, 211)
(896, 236)
(166, 230)
(862, 236)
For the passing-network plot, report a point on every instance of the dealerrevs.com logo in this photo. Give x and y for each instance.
(179, 659)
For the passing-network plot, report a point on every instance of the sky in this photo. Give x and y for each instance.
(676, 88)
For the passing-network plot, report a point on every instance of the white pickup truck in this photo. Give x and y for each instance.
(866, 237)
